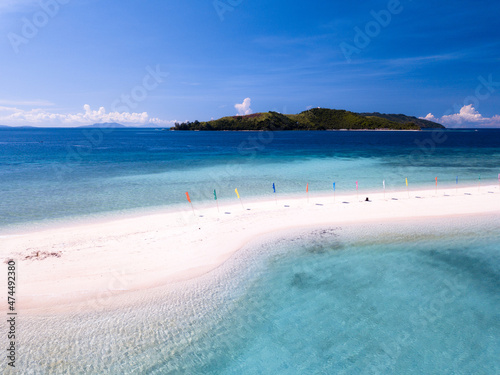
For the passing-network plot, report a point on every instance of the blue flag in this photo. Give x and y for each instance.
(274, 188)
(457, 180)
(334, 186)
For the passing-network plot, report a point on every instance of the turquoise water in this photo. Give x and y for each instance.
(416, 298)
(52, 174)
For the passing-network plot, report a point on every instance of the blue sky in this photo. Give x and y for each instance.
(153, 62)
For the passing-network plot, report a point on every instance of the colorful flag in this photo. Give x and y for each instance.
(457, 180)
(274, 188)
(215, 195)
(406, 181)
(334, 184)
(307, 188)
(189, 200)
(436, 180)
(356, 185)
(237, 194)
(383, 184)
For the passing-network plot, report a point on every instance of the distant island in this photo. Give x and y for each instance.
(17, 127)
(312, 119)
(107, 125)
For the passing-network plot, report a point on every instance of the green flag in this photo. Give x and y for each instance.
(215, 195)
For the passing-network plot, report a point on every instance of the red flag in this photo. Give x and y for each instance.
(307, 188)
(187, 196)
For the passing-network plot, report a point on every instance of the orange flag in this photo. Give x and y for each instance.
(307, 188)
(187, 196)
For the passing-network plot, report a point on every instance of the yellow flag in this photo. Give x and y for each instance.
(406, 179)
(236, 191)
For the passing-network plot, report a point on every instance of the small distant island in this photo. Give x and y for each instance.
(18, 127)
(312, 119)
(107, 125)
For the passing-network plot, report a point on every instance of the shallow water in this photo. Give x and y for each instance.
(383, 299)
(408, 298)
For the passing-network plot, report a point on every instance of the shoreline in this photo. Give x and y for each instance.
(23, 228)
(137, 254)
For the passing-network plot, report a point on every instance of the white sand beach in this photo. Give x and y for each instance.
(62, 267)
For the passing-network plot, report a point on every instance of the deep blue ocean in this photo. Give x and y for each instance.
(398, 298)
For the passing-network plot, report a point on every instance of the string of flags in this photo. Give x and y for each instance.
(334, 190)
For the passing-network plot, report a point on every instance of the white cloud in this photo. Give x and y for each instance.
(430, 117)
(244, 108)
(41, 117)
(467, 117)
